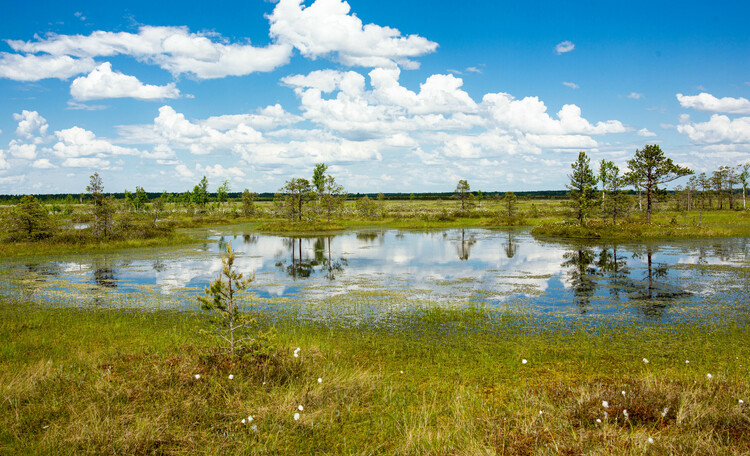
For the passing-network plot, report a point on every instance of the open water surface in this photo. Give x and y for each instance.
(385, 270)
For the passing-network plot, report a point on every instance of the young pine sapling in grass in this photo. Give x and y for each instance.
(221, 297)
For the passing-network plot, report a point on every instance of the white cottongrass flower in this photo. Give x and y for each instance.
(645, 360)
(296, 355)
(709, 376)
(605, 404)
(254, 428)
(231, 377)
(598, 420)
(741, 401)
(687, 361)
(320, 380)
(402, 372)
(197, 376)
(623, 393)
(665, 411)
(296, 352)
(296, 416)
(650, 440)
(523, 361)
(606, 415)
(249, 418)
(625, 412)
(300, 408)
(541, 411)
(243, 421)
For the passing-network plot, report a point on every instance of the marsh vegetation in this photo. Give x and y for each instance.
(613, 321)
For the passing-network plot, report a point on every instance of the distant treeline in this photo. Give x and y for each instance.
(269, 196)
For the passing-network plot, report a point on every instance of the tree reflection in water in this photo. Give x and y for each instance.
(586, 270)
(511, 246)
(615, 268)
(322, 259)
(463, 248)
(654, 296)
(104, 273)
(581, 275)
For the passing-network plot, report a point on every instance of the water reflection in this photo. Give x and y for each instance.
(497, 267)
(580, 274)
(302, 266)
(650, 290)
(463, 247)
(510, 246)
(104, 273)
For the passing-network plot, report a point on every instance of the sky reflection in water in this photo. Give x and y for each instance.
(497, 267)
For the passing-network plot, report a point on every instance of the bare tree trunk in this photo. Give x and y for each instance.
(231, 318)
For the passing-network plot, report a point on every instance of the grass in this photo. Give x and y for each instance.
(639, 230)
(297, 227)
(89, 245)
(549, 217)
(99, 381)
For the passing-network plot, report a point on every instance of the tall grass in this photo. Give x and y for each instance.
(76, 381)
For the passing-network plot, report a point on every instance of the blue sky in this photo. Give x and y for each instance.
(394, 96)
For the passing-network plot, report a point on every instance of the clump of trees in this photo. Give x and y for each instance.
(30, 220)
(297, 194)
(649, 169)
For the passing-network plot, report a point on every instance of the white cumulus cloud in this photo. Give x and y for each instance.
(76, 142)
(23, 151)
(218, 171)
(530, 115)
(102, 82)
(718, 129)
(174, 49)
(86, 162)
(184, 171)
(708, 103)
(36, 67)
(646, 133)
(30, 124)
(43, 163)
(572, 85)
(564, 46)
(326, 27)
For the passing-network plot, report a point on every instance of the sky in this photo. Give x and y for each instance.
(394, 96)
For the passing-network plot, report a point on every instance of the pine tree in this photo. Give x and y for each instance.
(582, 187)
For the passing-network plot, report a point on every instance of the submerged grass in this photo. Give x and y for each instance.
(435, 381)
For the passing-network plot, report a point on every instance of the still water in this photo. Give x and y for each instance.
(397, 269)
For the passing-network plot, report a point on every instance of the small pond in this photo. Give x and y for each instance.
(385, 270)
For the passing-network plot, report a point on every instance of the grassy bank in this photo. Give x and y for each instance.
(439, 382)
(298, 227)
(89, 245)
(636, 230)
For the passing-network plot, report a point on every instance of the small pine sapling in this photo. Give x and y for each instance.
(221, 298)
